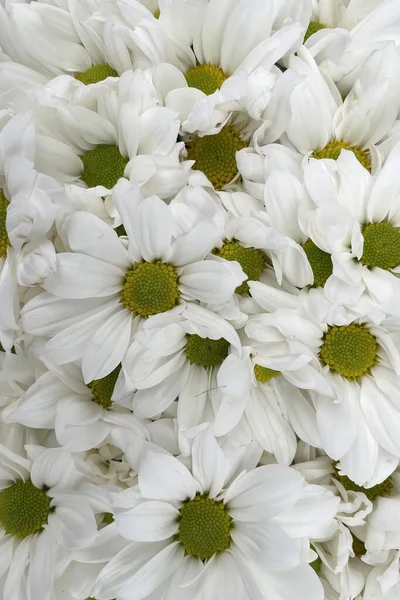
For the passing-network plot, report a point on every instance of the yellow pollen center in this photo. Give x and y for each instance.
(103, 165)
(150, 288)
(334, 148)
(383, 489)
(312, 28)
(264, 374)
(205, 351)
(350, 350)
(4, 241)
(381, 246)
(207, 78)
(102, 389)
(24, 509)
(215, 155)
(320, 262)
(96, 74)
(250, 259)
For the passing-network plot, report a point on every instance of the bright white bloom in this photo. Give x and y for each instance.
(206, 529)
(46, 511)
(104, 288)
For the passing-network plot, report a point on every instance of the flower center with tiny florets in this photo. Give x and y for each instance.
(4, 241)
(24, 509)
(215, 155)
(264, 374)
(102, 389)
(205, 351)
(383, 489)
(334, 148)
(350, 350)
(381, 246)
(204, 527)
(320, 262)
(251, 260)
(312, 28)
(103, 165)
(150, 288)
(96, 74)
(207, 78)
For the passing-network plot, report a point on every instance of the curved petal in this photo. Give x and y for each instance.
(163, 477)
(152, 229)
(149, 522)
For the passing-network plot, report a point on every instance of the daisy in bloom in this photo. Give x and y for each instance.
(106, 286)
(354, 218)
(207, 528)
(45, 513)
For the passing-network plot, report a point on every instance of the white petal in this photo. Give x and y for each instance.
(152, 229)
(54, 468)
(163, 477)
(149, 522)
(210, 281)
(74, 524)
(208, 463)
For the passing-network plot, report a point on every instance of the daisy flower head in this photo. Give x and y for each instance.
(205, 527)
(45, 514)
(106, 286)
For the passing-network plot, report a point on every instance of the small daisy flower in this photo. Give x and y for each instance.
(106, 286)
(202, 527)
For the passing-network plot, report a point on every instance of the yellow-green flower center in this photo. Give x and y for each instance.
(320, 262)
(4, 241)
(312, 28)
(102, 389)
(204, 527)
(108, 518)
(358, 547)
(381, 246)
(24, 509)
(96, 74)
(316, 565)
(205, 351)
(334, 148)
(264, 374)
(383, 489)
(157, 13)
(103, 165)
(207, 78)
(215, 155)
(350, 350)
(150, 288)
(251, 260)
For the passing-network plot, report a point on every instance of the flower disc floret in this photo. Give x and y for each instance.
(381, 246)
(312, 28)
(250, 259)
(24, 509)
(96, 73)
(204, 527)
(215, 155)
(150, 288)
(207, 78)
(104, 165)
(334, 148)
(320, 262)
(264, 374)
(205, 351)
(350, 350)
(383, 489)
(4, 241)
(102, 389)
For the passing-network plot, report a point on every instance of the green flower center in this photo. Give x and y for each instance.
(316, 565)
(320, 262)
(108, 518)
(207, 78)
(350, 350)
(103, 165)
(102, 389)
(204, 527)
(263, 374)
(383, 489)
(334, 148)
(24, 509)
(358, 547)
(4, 241)
(150, 288)
(157, 13)
(312, 28)
(96, 74)
(251, 260)
(205, 351)
(381, 246)
(215, 155)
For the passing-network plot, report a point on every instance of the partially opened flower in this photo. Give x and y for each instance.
(201, 530)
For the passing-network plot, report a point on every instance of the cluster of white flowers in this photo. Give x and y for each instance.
(199, 299)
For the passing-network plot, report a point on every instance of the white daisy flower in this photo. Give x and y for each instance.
(45, 513)
(104, 288)
(201, 530)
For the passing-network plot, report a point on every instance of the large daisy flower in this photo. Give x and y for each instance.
(46, 512)
(206, 529)
(106, 285)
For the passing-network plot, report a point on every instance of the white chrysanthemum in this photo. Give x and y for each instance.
(46, 512)
(202, 530)
(107, 285)
(355, 218)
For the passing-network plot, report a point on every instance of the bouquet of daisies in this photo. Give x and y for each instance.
(199, 299)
